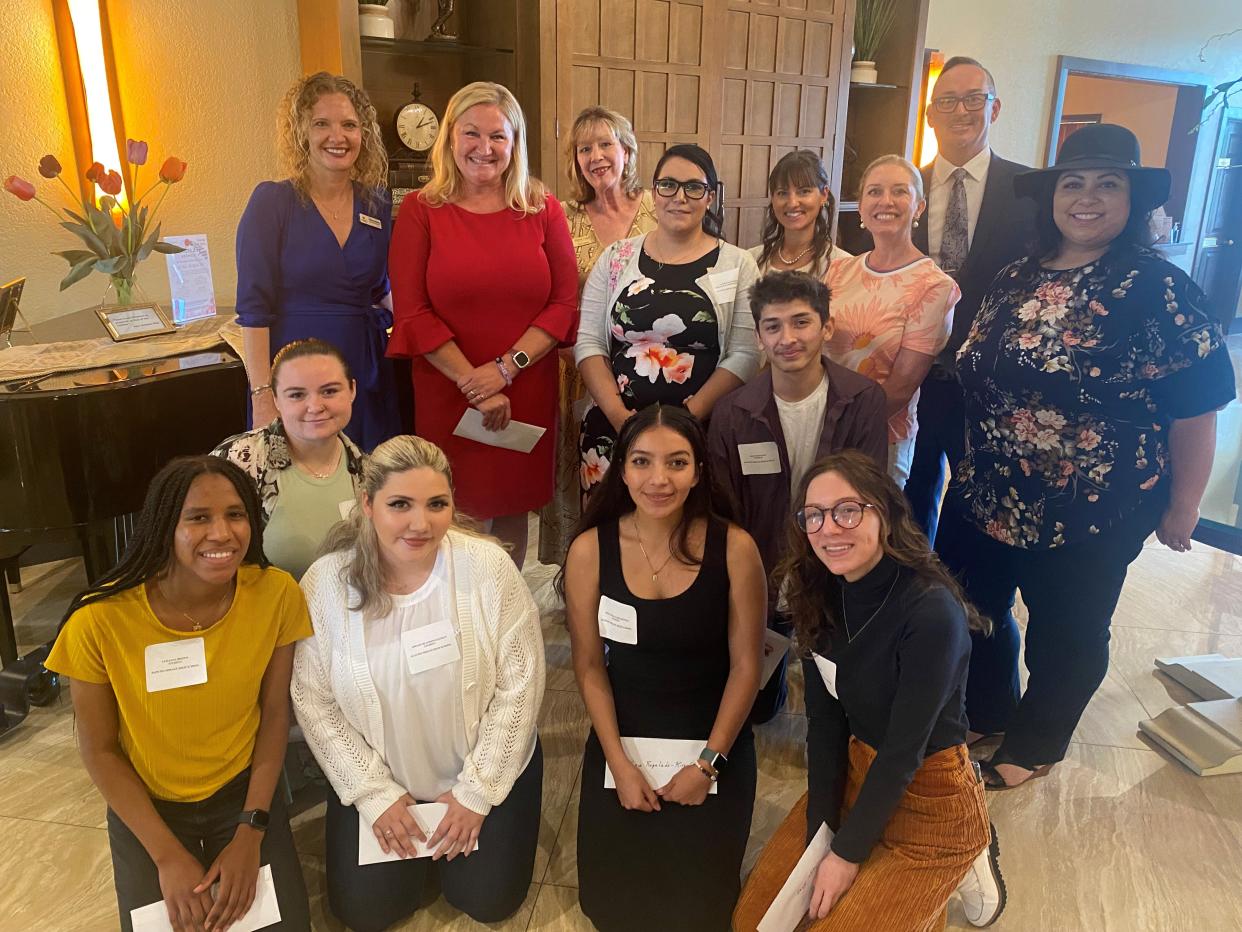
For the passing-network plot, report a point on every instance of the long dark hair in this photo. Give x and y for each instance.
(713, 220)
(611, 499)
(150, 550)
(801, 168)
(813, 594)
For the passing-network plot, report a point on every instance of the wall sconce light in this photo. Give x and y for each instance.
(925, 141)
(91, 92)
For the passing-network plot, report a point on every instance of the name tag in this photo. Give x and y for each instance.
(618, 621)
(174, 664)
(345, 508)
(370, 221)
(759, 459)
(724, 284)
(827, 673)
(430, 646)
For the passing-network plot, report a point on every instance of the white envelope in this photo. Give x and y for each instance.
(518, 435)
(775, 646)
(427, 815)
(792, 903)
(827, 673)
(263, 912)
(658, 759)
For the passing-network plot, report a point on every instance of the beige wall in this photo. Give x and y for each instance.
(1145, 108)
(1019, 41)
(197, 79)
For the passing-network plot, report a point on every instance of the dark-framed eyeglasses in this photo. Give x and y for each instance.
(846, 514)
(972, 102)
(667, 187)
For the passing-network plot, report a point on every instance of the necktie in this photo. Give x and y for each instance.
(955, 241)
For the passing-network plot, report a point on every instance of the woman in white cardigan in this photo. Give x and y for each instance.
(422, 684)
(665, 316)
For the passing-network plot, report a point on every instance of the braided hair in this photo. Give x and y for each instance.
(149, 551)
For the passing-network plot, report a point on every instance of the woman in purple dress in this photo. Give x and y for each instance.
(312, 252)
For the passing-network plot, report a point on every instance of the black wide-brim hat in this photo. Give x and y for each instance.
(1099, 146)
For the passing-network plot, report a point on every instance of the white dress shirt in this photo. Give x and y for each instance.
(938, 197)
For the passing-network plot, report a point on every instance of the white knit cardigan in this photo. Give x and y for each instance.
(502, 667)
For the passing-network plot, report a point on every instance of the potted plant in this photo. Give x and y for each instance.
(375, 20)
(872, 21)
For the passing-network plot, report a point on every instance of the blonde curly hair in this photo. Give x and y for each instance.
(523, 192)
(593, 118)
(293, 132)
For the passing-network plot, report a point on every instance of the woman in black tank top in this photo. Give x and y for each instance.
(665, 601)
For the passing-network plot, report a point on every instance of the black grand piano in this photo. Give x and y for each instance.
(80, 448)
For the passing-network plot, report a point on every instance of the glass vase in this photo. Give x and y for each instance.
(124, 292)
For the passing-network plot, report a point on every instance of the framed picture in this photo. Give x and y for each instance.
(134, 322)
(10, 297)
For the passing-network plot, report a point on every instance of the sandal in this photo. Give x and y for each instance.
(993, 780)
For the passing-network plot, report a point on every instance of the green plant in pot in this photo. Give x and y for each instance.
(872, 21)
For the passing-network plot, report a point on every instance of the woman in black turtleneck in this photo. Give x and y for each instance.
(887, 639)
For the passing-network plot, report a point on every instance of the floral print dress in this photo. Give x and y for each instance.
(1072, 379)
(665, 345)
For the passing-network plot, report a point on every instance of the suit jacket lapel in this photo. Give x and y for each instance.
(920, 232)
(997, 195)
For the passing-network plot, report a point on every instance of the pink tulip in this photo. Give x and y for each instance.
(136, 151)
(20, 188)
(49, 167)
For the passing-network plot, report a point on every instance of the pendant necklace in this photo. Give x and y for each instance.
(651, 566)
(196, 626)
(849, 639)
(321, 475)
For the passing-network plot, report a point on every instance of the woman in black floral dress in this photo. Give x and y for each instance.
(1092, 377)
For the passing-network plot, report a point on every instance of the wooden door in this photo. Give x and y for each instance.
(1218, 268)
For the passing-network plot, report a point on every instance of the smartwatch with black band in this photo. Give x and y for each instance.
(255, 818)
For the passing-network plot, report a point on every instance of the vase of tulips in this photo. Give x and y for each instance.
(117, 236)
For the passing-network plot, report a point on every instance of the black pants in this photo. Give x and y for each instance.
(488, 886)
(939, 446)
(774, 692)
(205, 828)
(1070, 594)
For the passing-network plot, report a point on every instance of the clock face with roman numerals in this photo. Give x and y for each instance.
(417, 126)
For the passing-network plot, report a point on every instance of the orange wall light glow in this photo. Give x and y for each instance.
(927, 139)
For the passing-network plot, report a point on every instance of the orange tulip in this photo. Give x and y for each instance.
(111, 184)
(173, 170)
(20, 188)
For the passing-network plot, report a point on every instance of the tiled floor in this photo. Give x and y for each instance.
(1119, 837)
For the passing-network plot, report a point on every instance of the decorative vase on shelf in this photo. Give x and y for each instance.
(375, 20)
(863, 72)
(124, 292)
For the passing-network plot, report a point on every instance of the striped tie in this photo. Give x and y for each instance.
(955, 240)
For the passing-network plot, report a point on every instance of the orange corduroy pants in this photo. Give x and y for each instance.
(937, 830)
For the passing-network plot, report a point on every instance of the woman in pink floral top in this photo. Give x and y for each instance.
(892, 307)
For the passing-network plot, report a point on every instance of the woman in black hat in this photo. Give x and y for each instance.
(1092, 377)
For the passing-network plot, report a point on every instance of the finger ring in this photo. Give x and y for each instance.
(387, 833)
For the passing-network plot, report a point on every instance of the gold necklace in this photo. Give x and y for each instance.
(321, 475)
(651, 566)
(322, 205)
(781, 254)
(196, 626)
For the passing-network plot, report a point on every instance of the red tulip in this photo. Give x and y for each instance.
(20, 188)
(173, 170)
(49, 167)
(136, 151)
(111, 183)
(95, 172)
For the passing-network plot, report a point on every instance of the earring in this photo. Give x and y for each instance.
(861, 225)
(916, 223)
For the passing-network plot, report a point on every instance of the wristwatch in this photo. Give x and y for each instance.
(255, 818)
(713, 759)
(520, 359)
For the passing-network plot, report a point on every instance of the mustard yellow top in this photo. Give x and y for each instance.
(587, 246)
(188, 742)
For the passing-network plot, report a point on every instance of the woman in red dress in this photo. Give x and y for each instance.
(484, 289)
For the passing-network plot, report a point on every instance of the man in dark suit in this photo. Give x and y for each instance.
(975, 226)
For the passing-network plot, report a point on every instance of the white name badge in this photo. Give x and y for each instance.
(724, 284)
(759, 459)
(827, 673)
(370, 221)
(174, 664)
(345, 508)
(430, 646)
(618, 621)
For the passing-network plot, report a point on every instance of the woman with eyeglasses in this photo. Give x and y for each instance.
(885, 635)
(665, 315)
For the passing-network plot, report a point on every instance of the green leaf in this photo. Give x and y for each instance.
(108, 266)
(88, 236)
(168, 249)
(148, 245)
(78, 272)
(74, 256)
(78, 217)
(703, 317)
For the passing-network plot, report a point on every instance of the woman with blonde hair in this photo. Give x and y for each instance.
(483, 291)
(421, 684)
(312, 251)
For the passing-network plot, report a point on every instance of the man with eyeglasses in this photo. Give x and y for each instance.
(975, 226)
(764, 436)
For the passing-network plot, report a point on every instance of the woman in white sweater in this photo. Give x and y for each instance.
(422, 684)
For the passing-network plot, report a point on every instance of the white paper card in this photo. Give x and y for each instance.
(518, 435)
(427, 815)
(174, 664)
(724, 283)
(759, 459)
(792, 903)
(192, 295)
(617, 621)
(775, 647)
(827, 673)
(430, 646)
(346, 507)
(659, 759)
(263, 912)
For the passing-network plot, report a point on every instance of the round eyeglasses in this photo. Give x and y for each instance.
(972, 102)
(847, 514)
(667, 187)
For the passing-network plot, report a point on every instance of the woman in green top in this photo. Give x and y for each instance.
(307, 471)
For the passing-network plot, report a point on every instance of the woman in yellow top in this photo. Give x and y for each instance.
(180, 659)
(609, 204)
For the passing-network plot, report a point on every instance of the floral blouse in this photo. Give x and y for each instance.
(1072, 379)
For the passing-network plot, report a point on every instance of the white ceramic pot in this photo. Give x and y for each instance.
(863, 72)
(375, 20)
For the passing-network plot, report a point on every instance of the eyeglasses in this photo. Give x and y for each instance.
(667, 187)
(972, 102)
(845, 514)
